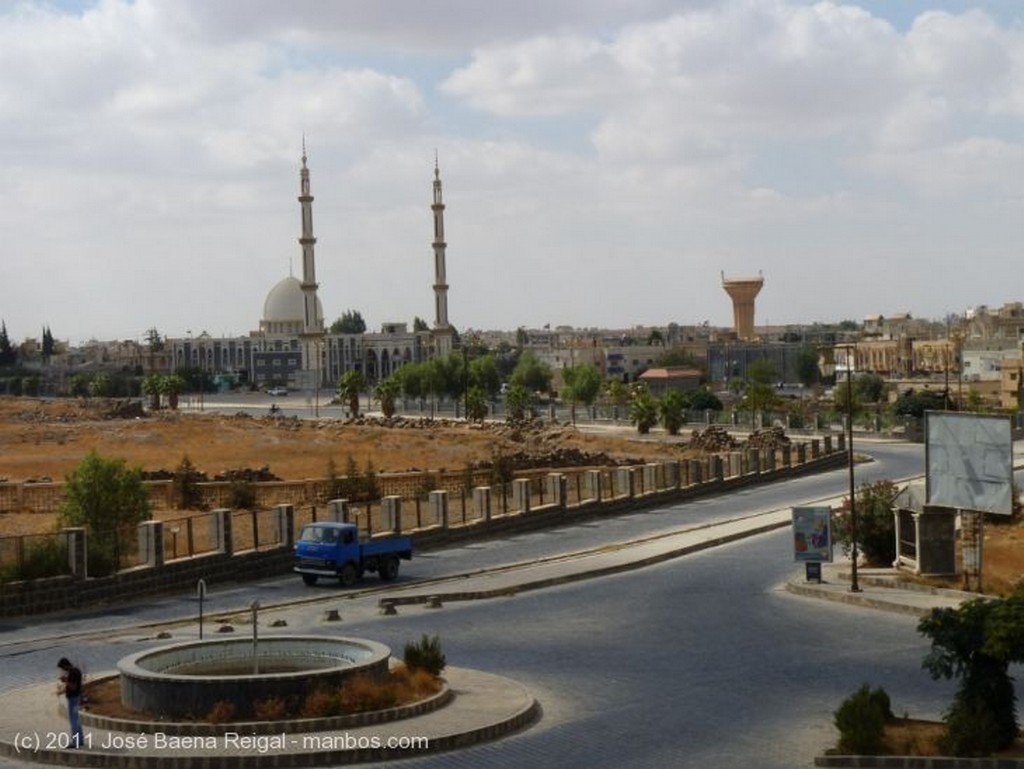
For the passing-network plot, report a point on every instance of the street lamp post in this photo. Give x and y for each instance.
(854, 583)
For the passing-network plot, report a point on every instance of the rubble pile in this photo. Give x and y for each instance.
(768, 438)
(712, 439)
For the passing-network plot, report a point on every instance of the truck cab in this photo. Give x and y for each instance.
(330, 549)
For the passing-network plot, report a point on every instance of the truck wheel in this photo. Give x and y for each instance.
(388, 568)
(349, 574)
(309, 579)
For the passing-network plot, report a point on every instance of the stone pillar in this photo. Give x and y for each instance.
(626, 482)
(696, 471)
(482, 501)
(815, 448)
(732, 465)
(285, 524)
(220, 522)
(76, 551)
(771, 459)
(391, 510)
(438, 502)
(521, 495)
(650, 478)
(841, 441)
(594, 484)
(787, 456)
(557, 489)
(753, 461)
(337, 510)
(828, 444)
(717, 468)
(673, 475)
(151, 543)
(801, 453)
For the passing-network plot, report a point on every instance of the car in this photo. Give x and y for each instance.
(277, 391)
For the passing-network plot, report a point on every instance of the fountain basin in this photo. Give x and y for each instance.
(189, 679)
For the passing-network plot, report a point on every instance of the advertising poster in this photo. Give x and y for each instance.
(812, 534)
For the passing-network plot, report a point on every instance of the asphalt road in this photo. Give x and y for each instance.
(702, 661)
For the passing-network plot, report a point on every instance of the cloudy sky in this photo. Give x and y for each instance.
(604, 161)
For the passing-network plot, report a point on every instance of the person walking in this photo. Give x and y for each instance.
(71, 687)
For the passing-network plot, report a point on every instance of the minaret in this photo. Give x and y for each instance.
(442, 332)
(312, 324)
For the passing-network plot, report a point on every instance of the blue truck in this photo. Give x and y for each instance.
(329, 549)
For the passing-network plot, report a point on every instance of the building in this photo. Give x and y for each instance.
(292, 348)
(660, 381)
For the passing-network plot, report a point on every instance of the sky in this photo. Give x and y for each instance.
(604, 161)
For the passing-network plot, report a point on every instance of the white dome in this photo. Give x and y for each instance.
(286, 304)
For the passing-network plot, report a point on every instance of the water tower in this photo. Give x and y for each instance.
(743, 291)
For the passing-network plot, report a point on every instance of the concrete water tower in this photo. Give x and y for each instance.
(743, 291)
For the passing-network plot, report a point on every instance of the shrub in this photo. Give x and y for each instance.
(185, 486)
(425, 655)
(271, 709)
(861, 721)
(876, 525)
(46, 557)
(221, 712)
(362, 694)
(321, 703)
(242, 495)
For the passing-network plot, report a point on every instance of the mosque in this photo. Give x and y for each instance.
(291, 348)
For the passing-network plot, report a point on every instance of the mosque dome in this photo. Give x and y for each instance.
(284, 307)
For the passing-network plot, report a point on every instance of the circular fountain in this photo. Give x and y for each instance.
(188, 679)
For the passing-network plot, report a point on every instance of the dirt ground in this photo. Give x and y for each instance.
(44, 440)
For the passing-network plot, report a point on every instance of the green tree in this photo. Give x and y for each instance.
(109, 499)
(412, 378)
(807, 366)
(656, 338)
(870, 387)
(476, 404)
(185, 486)
(387, 392)
(977, 643)
(351, 384)
(580, 384)
(8, 355)
(484, 374)
(914, 404)
(672, 408)
(876, 526)
(705, 400)
(152, 386)
(531, 373)
(676, 358)
(78, 386)
(643, 410)
(418, 324)
(840, 399)
(350, 322)
(172, 386)
(101, 385)
(519, 403)
(760, 394)
(48, 345)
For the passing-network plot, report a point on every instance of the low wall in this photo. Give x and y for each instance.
(73, 592)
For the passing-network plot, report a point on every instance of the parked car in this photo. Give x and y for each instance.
(276, 391)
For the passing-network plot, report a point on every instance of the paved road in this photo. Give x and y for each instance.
(697, 662)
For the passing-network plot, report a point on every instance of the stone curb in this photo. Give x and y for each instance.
(297, 726)
(856, 599)
(916, 762)
(563, 579)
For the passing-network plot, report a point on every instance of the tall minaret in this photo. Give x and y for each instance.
(313, 323)
(442, 331)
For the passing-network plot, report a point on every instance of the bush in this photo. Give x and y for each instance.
(323, 703)
(861, 721)
(242, 495)
(185, 486)
(46, 557)
(221, 712)
(362, 694)
(425, 655)
(271, 709)
(876, 525)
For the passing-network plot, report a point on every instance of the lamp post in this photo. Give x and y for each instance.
(854, 583)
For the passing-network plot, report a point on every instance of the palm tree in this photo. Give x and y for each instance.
(172, 386)
(387, 392)
(151, 386)
(351, 384)
(643, 411)
(672, 407)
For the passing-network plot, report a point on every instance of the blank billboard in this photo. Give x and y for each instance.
(969, 461)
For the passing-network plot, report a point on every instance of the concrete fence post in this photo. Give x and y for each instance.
(815, 448)
(787, 456)
(650, 477)
(594, 485)
(220, 522)
(841, 442)
(801, 453)
(482, 501)
(753, 461)
(285, 524)
(828, 444)
(627, 482)
(696, 472)
(521, 495)
(717, 469)
(337, 510)
(151, 543)
(438, 501)
(76, 551)
(391, 508)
